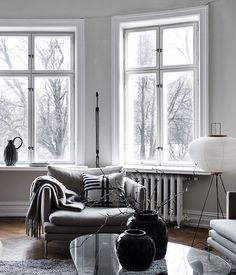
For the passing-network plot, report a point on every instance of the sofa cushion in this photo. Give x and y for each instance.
(72, 177)
(226, 228)
(229, 254)
(91, 216)
(104, 190)
(225, 242)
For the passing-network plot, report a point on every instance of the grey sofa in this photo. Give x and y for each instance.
(222, 235)
(67, 225)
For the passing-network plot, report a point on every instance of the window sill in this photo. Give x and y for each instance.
(166, 169)
(27, 167)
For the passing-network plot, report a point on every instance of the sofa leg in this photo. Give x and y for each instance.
(46, 249)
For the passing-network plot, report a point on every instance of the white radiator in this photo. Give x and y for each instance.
(165, 190)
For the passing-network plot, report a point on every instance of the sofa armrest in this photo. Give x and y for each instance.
(135, 193)
(231, 205)
(46, 204)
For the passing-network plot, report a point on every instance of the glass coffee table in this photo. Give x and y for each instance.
(96, 255)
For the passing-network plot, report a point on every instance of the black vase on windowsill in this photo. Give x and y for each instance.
(150, 222)
(10, 152)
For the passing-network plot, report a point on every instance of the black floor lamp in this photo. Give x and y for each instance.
(215, 154)
(97, 129)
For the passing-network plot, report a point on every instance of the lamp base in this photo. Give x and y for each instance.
(218, 179)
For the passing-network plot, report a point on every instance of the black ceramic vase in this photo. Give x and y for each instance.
(135, 250)
(154, 226)
(10, 152)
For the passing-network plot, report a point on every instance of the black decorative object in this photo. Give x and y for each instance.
(135, 250)
(154, 226)
(97, 130)
(10, 152)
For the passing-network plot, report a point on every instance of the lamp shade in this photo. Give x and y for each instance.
(215, 154)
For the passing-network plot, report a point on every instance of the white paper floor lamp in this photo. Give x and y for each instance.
(215, 154)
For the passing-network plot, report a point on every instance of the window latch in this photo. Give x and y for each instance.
(159, 148)
(31, 147)
(159, 50)
(30, 55)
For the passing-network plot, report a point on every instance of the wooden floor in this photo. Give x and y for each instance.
(16, 245)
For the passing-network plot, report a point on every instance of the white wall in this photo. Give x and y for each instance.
(86, 9)
(14, 186)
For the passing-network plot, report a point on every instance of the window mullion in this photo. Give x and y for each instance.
(159, 98)
(196, 105)
(72, 118)
(31, 103)
(30, 119)
(160, 120)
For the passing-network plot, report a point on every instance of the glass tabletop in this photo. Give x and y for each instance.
(96, 255)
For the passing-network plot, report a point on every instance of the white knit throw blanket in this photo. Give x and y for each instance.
(62, 198)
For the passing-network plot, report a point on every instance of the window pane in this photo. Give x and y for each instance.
(13, 52)
(141, 49)
(178, 46)
(52, 130)
(141, 113)
(178, 114)
(14, 113)
(52, 52)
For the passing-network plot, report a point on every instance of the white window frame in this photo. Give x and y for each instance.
(119, 25)
(75, 26)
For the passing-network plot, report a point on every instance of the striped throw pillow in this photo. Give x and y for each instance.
(104, 190)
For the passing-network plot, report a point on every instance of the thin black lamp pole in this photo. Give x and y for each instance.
(218, 179)
(97, 165)
(97, 130)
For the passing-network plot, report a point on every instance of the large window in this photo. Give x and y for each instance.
(161, 92)
(37, 94)
(160, 87)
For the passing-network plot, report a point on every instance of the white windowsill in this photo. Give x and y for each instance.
(22, 167)
(27, 167)
(166, 169)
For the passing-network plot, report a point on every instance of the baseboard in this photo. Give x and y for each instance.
(191, 218)
(13, 208)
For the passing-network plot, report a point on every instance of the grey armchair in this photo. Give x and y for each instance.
(67, 225)
(222, 235)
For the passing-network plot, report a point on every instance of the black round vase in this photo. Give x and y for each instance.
(154, 226)
(135, 250)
